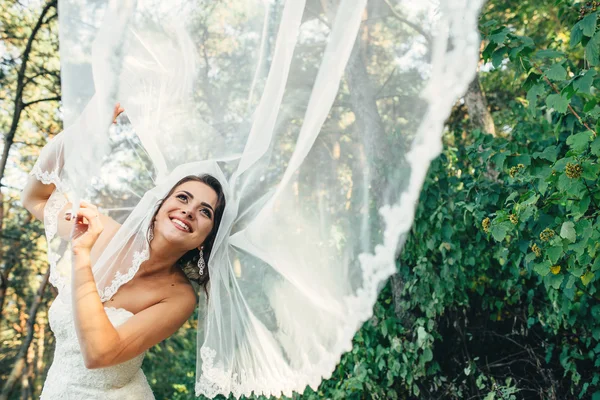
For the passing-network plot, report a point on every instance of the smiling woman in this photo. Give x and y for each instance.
(197, 204)
(103, 341)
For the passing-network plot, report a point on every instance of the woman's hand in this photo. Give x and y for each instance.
(118, 110)
(86, 230)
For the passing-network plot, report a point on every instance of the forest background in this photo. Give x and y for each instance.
(497, 290)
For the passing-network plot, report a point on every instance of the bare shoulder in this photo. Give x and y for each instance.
(182, 296)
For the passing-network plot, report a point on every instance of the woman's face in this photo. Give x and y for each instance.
(186, 217)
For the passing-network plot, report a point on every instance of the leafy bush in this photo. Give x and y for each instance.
(497, 293)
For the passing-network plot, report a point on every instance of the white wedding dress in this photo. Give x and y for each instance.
(68, 378)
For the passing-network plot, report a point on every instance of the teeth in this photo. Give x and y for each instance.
(181, 224)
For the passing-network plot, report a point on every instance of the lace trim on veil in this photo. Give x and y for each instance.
(55, 203)
(53, 206)
(377, 267)
(48, 177)
(120, 279)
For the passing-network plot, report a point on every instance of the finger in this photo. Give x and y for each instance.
(69, 217)
(85, 204)
(93, 218)
(116, 112)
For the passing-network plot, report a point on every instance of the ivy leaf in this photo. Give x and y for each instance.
(589, 106)
(588, 24)
(498, 56)
(529, 257)
(580, 208)
(531, 200)
(595, 147)
(532, 95)
(587, 278)
(549, 54)
(489, 49)
(583, 83)
(567, 231)
(421, 336)
(500, 230)
(596, 264)
(590, 171)
(570, 282)
(554, 280)
(542, 268)
(524, 159)
(556, 72)
(576, 35)
(550, 153)
(579, 141)
(592, 50)
(499, 35)
(564, 183)
(554, 253)
(557, 102)
(511, 197)
(427, 355)
(498, 159)
(527, 213)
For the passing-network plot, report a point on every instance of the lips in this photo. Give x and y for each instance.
(181, 224)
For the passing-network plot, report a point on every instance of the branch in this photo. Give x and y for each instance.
(553, 86)
(18, 102)
(385, 83)
(400, 18)
(56, 98)
(591, 194)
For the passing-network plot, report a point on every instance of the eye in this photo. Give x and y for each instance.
(206, 212)
(182, 197)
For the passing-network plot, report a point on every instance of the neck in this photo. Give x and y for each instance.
(163, 258)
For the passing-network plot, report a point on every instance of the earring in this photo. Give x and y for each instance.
(201, 264)
(151, 233)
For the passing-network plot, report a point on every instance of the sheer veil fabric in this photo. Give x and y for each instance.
(320, 119)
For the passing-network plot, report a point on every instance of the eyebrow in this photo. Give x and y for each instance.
(202, 203)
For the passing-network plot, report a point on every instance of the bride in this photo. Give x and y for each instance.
(98, 354)
(317, 126)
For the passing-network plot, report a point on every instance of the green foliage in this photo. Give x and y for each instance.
(502, 268)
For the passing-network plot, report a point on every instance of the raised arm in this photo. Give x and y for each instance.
(42, 183)
(102, 344)
(35, 195)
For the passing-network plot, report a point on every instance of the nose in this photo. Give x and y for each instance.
(187, 214)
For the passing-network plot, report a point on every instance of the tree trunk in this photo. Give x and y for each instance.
(368, 119)
(21, 361)
(18, 102)
(477, 107)
(39, 357)
(3, 287)
(9, 136)
(375, 147)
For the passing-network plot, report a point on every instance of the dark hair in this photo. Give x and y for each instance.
(189, 261)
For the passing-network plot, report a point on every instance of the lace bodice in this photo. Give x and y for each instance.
(68, 378)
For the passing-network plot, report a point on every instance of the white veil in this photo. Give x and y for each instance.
(319, 118)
